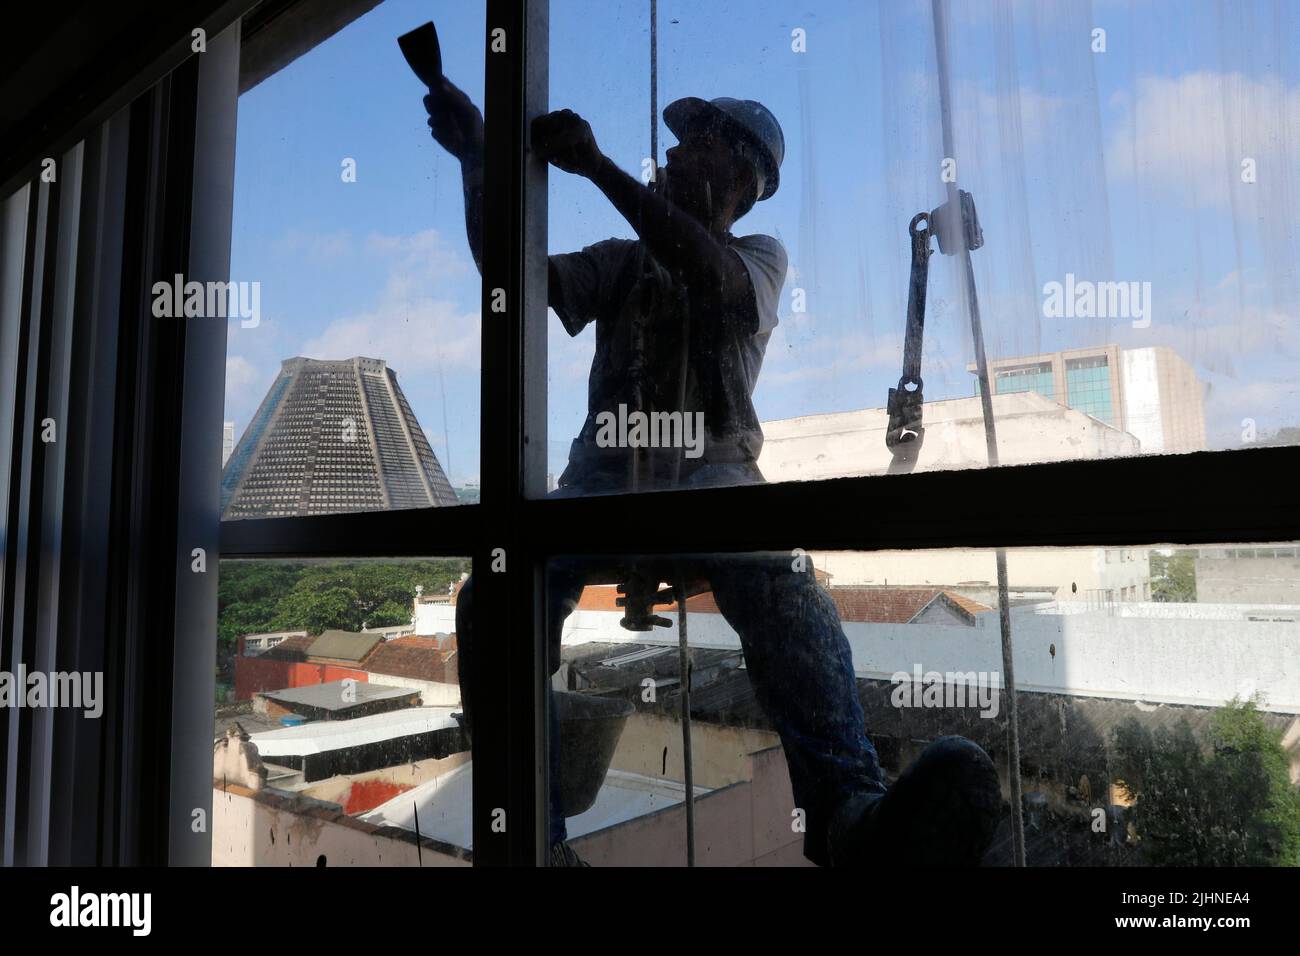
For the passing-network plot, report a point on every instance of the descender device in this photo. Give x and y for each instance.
(953, 228)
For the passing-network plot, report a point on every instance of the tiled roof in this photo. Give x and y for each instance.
(601, 597)
(881, 605)
(419, 658)
(873, 605)
(969, 605)
(598, 597)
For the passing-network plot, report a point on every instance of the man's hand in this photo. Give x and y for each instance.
(455, 121)
(564, 139)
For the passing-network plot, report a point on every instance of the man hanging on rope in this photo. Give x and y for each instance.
(683, 314)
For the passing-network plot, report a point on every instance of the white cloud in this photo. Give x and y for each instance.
(316, 247)
(1037, 112)
(413, 325)
(241, 374)
(822, 359)
(1190, 134)
(569, 357)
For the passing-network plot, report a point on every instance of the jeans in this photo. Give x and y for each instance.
(797, 656)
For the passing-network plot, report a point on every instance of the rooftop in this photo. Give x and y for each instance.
(417, 658)
(330, 695)
(444, 805)
(326, 735)
(290, 649)
(344, 645)
(872, 604)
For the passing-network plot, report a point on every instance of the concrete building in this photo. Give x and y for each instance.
(332, 436)
(391, 631)
(254, 645)
(1192, 654)
(742, 803)
(343, 699)
(424, 664)
(1151, 393)
(1250, 575)
(1096, 576)
(1031, 428)
(1148, 652)
(333, 747)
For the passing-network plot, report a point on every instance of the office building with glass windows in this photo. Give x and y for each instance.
(1151, 393)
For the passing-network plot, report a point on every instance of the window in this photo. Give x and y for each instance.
(1032, 378)
(354, 387)
(338, 698)
(1103, 710)
(1099, 340)
(1111, 388)
(1137, 214)
(1088, 384)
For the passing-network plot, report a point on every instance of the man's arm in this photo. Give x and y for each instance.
(457, 126)
(677, 241)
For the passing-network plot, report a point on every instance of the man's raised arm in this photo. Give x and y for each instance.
(457, 126)
(678, 241)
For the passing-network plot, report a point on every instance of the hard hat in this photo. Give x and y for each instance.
(748, 122)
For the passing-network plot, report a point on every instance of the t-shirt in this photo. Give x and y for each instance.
(650, 329)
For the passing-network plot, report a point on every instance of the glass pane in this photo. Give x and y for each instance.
(1130, 184)
(338, 710)
(13, 239)
(1158, 694)
(352, 375)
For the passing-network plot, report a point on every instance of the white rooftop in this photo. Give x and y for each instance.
(444, 805)
(321, 736)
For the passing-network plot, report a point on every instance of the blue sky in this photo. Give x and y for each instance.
(1117, 165)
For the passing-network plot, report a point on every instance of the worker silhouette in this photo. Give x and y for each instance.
(683, 314)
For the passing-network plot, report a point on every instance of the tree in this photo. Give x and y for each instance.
(247, 595)
(1227, 801)
(1173, 577)
(258, 596)
(311, 609)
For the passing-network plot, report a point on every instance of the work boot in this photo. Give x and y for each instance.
(941, 811)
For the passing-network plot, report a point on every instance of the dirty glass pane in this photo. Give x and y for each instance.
(338, 716)
(1158, 708)
(352, 371)
(1134, 264)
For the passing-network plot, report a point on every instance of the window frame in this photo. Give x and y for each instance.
(1232, 496)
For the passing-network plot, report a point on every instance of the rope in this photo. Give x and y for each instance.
(684, 665)
(654, 86)
(940, 11)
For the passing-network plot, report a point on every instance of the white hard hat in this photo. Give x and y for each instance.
(747, 121)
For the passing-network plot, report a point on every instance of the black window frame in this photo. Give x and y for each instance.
(1191, 499)
(142, 616)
